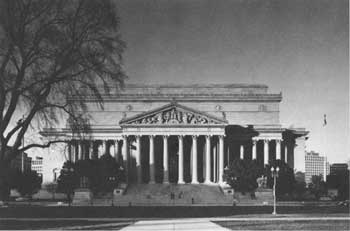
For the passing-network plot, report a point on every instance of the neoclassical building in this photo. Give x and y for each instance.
(185, 133)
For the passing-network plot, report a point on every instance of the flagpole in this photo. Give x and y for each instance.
(325, 147)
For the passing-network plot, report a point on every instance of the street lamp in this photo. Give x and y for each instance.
(274, 174)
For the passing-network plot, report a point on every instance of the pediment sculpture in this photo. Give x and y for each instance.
(174, 116)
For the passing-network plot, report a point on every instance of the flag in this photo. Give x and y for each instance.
(324, 120)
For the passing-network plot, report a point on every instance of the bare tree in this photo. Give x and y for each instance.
(53, 51)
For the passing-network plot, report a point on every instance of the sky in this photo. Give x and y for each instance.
(297, 47)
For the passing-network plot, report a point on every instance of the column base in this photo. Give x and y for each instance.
(181, 182)
(208, 182)
(166, 182)
(151, 182)
(194, 182)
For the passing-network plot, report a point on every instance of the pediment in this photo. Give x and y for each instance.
(173, 114)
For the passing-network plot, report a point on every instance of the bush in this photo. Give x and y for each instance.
(67, 181)
(26, 183)
(241, 175)
(285, 181)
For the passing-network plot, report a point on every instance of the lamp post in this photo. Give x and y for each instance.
(274, 174)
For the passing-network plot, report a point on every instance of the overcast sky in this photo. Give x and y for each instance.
(299, 48)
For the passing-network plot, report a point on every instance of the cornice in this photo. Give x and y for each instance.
(189, 97)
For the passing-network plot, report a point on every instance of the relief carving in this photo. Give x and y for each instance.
(174, 116)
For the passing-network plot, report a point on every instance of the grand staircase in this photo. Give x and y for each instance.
(180, 195)
(168, 195)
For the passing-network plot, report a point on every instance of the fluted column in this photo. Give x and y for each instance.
(254, 150)
(104, 146)
(241, 151)
(221, 159)
(116, 150)
(195, 161)
(69, 147)
(207, 160)
(278, 149)
(125, 157)
(181, 161)
(91, 149)
(165, 160)
(266, 152)
(74, 151)
(285, 153)
(215, 162)
(80, 150)
(152, 167)
(138, 159)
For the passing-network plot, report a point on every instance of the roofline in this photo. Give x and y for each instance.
(123, 121)
(223, 85)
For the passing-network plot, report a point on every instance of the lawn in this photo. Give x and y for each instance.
(287, 225)
(62, 224)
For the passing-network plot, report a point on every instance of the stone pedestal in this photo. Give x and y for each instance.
(82, 196)
(120, 190)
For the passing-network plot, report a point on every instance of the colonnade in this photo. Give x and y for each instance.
(213, 159)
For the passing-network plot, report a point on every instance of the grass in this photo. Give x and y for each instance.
(60, 224)
(287, 225)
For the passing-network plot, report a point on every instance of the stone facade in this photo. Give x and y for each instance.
(185, 134)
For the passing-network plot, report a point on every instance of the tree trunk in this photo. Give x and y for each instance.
(4, 181)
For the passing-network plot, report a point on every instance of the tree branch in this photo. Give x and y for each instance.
(41, 145)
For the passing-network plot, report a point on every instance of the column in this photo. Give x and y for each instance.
(74, 149)
(91, 150)
(194, 161)
(266, 152)
(221, 159)
(116, 150)
(181, 161)
(104, 147)
(241, 151)
(165, 160)
(69, 150)
(278, 149)
(152, 166)
(207, 160)
(215, 163)
(125, 158)
(254, 150)
(285, 153)
(138, 159)
(80, 151)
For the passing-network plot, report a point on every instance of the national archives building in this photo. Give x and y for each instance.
(185, 133)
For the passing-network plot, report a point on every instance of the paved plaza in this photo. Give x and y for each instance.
(240, 222)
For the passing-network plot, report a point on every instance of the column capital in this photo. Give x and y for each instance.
(266, 140)
(151, 136)
(279, 140)
(208, 136)
(194, 137)
(180, 136)
(165, 136)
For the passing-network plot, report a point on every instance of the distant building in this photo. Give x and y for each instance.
(314, 165)
(338, 168)
(37, 165)
(22, 162)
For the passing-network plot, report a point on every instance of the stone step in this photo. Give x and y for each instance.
(161, 194)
